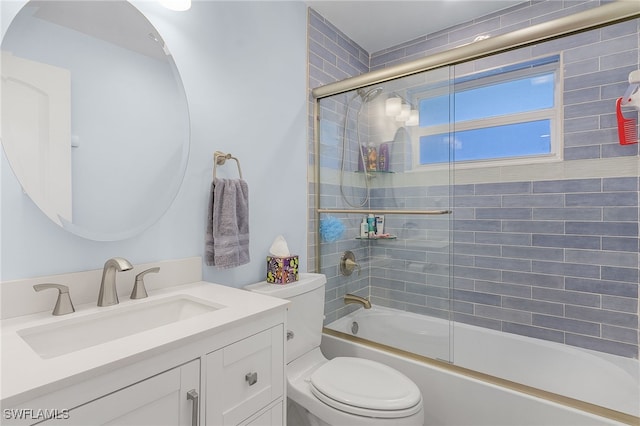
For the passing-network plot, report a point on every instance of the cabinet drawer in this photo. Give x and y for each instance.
(244, 377)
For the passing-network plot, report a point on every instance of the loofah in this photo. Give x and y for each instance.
(331, 229)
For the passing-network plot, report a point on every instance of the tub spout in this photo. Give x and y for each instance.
(352, 298)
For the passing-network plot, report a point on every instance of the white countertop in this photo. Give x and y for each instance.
(24, 371)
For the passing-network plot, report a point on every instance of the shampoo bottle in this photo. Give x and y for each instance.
(364, 228)
(371, 223)
(362, 160)
(380, 225)
(383, 157)
(372, 157)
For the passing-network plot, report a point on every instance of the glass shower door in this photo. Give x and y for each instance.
(371, 169)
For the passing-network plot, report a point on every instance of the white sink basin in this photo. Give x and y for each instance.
(73, 334)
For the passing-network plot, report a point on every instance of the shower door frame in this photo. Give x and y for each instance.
(618, 11)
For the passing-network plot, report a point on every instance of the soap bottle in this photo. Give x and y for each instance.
(380, 225)
(383, 157)
(372, 158)
(364, 228)
(362, 160)
(371, 224)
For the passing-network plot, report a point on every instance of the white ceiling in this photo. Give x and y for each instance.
(376, 25)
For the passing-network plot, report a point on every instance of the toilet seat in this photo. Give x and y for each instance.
(365, 388)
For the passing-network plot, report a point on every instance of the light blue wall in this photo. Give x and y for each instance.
(243, 65)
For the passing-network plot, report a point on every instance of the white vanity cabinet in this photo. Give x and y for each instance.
(231, 383)
(167, 399)
(224, 368)
(243, 385)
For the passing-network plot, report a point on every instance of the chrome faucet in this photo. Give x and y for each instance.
(108, 294)
(352, 298)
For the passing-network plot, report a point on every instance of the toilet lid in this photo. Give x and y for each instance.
(365, 384)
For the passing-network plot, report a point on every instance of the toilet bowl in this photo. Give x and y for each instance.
(345, 390)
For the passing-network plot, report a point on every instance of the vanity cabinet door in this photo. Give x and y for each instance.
(244, 378)
(157, 401)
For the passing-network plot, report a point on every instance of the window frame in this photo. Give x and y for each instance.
(529, 69)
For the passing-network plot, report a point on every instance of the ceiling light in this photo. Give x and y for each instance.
(414, 118)
(405, 111)
(177, 5)
(392, 106)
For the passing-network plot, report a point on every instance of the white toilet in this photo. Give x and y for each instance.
(342, 391)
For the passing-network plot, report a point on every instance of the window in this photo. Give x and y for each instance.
(495, 115)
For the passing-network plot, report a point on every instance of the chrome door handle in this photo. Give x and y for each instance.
(193, 396)
(251, 378)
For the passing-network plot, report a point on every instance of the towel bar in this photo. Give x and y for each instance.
(220, 158)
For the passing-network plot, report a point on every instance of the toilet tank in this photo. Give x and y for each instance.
(305, 313)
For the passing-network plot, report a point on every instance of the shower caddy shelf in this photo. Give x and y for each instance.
(369, 211)
(366, 211)
(390, 237)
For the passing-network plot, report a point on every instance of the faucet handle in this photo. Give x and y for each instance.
(139, 292)
(348, 263)
(63, 303)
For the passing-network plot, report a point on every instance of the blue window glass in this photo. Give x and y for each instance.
(511, 140)
(510, 97)
(435, 111)
(494, 114)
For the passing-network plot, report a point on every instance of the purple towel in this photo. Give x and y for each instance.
(227, 239)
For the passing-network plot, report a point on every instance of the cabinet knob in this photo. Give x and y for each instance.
(251, 378)
(290, 335)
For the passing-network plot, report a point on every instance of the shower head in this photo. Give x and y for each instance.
(369, 95)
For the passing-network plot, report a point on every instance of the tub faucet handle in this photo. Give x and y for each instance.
(139, 291)
(63, 303)
(348, 263)
(351, 264)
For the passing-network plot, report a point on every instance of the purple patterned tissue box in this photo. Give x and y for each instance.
(282, 270)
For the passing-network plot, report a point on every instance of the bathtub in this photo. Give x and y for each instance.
(550, 382)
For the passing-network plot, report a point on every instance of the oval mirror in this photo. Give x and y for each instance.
(95, 123)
